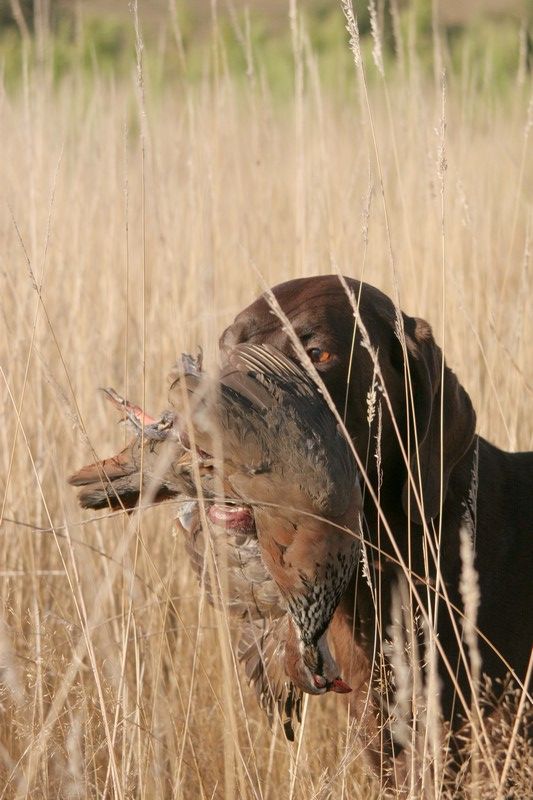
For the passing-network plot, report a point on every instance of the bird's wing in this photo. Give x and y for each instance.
(274, 369)
(261, 650)
(306, 447)
(223, 415)
(266, 416)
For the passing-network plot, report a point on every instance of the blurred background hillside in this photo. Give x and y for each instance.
(490, 37)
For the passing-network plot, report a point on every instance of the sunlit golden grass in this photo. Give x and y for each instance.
(133, 229)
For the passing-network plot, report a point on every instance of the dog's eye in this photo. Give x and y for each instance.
(319, 356)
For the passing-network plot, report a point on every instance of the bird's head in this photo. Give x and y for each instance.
(310, 666)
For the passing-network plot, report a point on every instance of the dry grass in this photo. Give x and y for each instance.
(120, 250)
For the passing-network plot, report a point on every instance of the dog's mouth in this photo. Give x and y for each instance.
(232, 517)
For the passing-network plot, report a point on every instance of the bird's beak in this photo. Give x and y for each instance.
(339, 686)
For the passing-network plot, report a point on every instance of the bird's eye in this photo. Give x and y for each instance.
(310, 658)
(319, 356)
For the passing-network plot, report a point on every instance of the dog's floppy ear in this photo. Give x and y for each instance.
(458, 423)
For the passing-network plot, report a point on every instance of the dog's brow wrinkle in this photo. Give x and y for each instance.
(261, 330)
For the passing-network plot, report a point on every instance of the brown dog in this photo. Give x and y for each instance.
(471, 484)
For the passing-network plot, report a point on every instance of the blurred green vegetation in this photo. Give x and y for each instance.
(257, 42)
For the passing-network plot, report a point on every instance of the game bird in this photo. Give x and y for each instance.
(262, 450)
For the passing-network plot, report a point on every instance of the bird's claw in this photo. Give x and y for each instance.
(143, 423)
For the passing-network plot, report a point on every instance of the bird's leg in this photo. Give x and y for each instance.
(144, 424)
(129, 411)
(139, 418)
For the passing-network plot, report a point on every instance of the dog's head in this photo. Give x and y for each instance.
(364, 348)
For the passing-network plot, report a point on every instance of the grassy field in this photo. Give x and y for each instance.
(135, 224)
